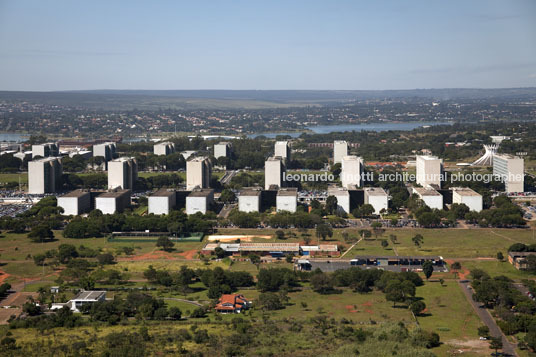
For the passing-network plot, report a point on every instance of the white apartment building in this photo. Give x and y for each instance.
(113, 201)
(511, 169)
(340, 150)
(105, 150)
(164, 149)
(222, 149)
(198, 173)
(282, 149)
(122, 173)
(351, 170)
(274, 169)
(429, 170)
(45, 150)
(343, 197)
(44, 175)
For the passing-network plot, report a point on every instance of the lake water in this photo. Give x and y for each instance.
(14, 137)
(326, 129)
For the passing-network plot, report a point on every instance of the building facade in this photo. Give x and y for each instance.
(377, 198)
(200, 200)
(429, 170)
(340, 150)
(282, 149)
(122, 173)
(287, 200)
(164, 149)
(112, 202)
(249, 200)
(162, 201)
(45, 150)
(75, 202)
(274, 169)
(198, 173)
(351, 170)
(105, 150)
(44, 175)
(511, 169)
(222, 149)
(468, 197)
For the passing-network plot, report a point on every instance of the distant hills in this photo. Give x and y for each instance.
(251, 99)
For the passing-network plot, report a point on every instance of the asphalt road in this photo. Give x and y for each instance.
(508, 349)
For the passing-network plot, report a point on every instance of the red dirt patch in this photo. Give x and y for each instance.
(350, 308)
(189, 254)
(462, 274)
(368, 303)
(159, 254)
(369, 311)
(3, 276)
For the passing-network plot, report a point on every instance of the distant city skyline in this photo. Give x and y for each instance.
(247, 45)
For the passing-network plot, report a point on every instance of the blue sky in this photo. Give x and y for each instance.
(271, 44)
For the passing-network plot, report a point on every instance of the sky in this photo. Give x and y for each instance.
(272, 44)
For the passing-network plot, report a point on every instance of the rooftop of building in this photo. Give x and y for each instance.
(198, 159)
(340, 142)
(507, 156)
(89, 295)
(164, 192)
(290, 191)
(114, 194)
(426, 191)
(204, 192)
(375, 191)
(520, 254)
(164, 143)
(351, 158)
(46, 159)
(427, 157)
(76, 193)
(250, 192)
(274, 158)
(224, 143)
(123, 159)
(465, 191)
(337, 191)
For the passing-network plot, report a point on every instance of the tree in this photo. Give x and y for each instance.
(41, 233)
(385, 244)
(227, 196)
(255, 260)
(417, 240)
(456, 266)
(377, 229)
(483, 331)
(66, 252)
(367, 210)
(417, 307)
(322, 283)
(165, 243)
(323, 230)
(220, 252)
(428, 269)
(393, 238)
(270, 301)
(280, 234)
(500, 256)
(105, 258)
(39, 259)
(496, 344)
(331, 204)
(175, 313)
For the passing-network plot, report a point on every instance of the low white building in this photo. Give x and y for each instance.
(249, 200)
(162, 201)
(377, 197)
(81, 299)
(75, 202)
(287, 199)
(112, 202)
(430, 197)
(343, 197)
(468, 197)
(199, 200)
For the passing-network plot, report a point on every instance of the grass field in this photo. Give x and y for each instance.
(4, 178)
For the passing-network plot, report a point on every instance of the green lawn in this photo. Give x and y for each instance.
(4, 178)
(495, 268)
